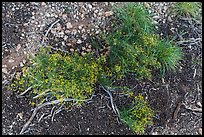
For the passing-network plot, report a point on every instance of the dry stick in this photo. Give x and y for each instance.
(193, 109)
(49, 30)
(114, 107)
(46, 104)
(26, 91)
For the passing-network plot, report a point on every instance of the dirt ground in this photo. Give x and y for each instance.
(173, 98)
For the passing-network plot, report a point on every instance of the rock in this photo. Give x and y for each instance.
(90, 6)
(69, 25)
(4, 66)
(146, 5)
(65, 37)
(200, 131)
(83, 48)
(83, 53)
(21, 64)
(47, 14)
(43, 4)
(72, 50)
(96, 11)
(80, 27)
(199, 104)
(64, 16)
(11, 61)
(108, 13)
(97, 32)
(169, 19)
(4, 70)
(18, 47)
(79, 41)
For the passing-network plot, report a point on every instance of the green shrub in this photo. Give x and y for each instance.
(138, 115)
(168, 55)
(61, 76)
(134, 49)
(186, 9)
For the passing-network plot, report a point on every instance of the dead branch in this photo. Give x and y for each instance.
(46, 104)
(25, 91)
(193, 109)
(114, 107)
(49, 30)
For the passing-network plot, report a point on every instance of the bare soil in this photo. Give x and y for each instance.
(166, 97)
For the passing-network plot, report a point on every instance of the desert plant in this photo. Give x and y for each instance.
(191, 9)
(138, 115)
(60, 76)
(168, 55)
(134, 49)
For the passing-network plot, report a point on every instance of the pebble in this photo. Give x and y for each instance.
(18, 47)
(72, 50)
(64, 16)
(108, 13)
(79, 41)
(90, 6)
(199, 104)
(4, 70)
(69, 25)
(43, 4)
(11, 61)
(200, 131)
(21, 64)
(4, 66)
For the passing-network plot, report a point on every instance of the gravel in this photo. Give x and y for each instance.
(25, 23)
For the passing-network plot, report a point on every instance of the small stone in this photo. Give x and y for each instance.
(146, 5)
(69, 25)
(88, 50)
(155, 133)
(22, 34)
(83, 53)
(53, 31)
(200, 131)
(65, 37)
(21, 64)
(4, 66)
(24, 61)
(90, 6)
(199, 104)
(72, 50)
(169, 19)
(108, 13)
(79, 41)
(47, 14)
(96, 11)
(4, 70)
(18, 47)
(64, 16)
(83, 48)
(89, 46)
(80, 27)
(43, 4)
(87, 129)
(11, 61)
(97, 32)
(20, 115)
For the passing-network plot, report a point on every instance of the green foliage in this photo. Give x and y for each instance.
(61, 76)
(134, 49)
(168, 55)
(138, 115)
(187, 9)
(133, 16)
